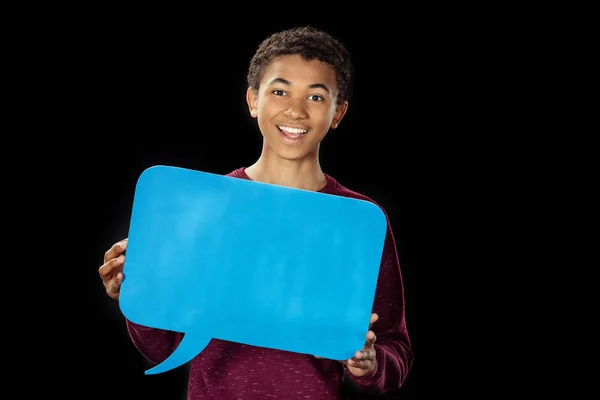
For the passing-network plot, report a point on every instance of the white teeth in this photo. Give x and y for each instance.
(287, 129)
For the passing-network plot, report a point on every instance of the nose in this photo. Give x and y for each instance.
(295, 110)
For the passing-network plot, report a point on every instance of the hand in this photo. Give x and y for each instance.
(111, 271)
(363, 361)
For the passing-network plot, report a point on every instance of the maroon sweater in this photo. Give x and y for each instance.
(226, 370)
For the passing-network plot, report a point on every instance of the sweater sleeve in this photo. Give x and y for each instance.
(394, 355)
(154, 344)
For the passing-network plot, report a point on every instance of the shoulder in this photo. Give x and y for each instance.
(238, 173)
(338, 189)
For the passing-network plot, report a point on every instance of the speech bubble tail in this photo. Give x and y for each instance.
(188, 348)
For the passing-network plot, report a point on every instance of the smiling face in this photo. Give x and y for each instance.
(296, 106)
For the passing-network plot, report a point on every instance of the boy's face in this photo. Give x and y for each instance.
(296, 105)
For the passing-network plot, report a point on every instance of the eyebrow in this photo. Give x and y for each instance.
(288, 83)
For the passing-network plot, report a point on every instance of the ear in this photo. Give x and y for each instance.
(340, 111)
(252, 100)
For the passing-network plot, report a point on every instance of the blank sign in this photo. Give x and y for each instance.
(214, 256)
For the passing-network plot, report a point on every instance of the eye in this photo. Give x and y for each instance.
(315, 97)
(278, 92)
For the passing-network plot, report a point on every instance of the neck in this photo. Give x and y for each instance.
(304, 174)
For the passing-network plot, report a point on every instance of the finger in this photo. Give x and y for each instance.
(374, 318)
(365, 354)
(115, 250)
(371, 338)
(114, 287)
(362, 364)
(109, 269)
(113, 292)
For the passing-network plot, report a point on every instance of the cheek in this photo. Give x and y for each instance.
(326, 112)
(263, 121)
(266, 110)
(325, 117)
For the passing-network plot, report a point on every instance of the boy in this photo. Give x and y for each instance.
(299, 84)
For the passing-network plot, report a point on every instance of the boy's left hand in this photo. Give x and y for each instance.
(363, 361)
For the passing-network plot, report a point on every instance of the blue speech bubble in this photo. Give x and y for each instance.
(214, 256)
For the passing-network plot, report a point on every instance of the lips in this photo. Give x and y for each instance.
(292, 135)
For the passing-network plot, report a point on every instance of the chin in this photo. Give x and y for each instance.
(291, 153)
(288, 152)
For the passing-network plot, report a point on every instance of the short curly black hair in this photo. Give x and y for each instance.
(311, 44)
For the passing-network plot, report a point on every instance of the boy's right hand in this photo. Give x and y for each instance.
(111, 271)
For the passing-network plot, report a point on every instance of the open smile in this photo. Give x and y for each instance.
(291, 135)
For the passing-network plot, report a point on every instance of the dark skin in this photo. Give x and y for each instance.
(111, 272)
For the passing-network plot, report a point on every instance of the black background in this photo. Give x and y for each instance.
(176, 96)
(443, 131)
